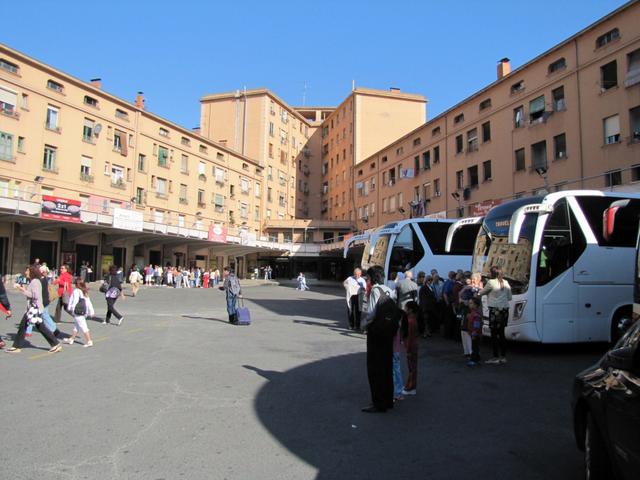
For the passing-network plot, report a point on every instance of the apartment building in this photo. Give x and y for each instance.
(569, 118)
(258, 124)
(362, 124)
(87, 176)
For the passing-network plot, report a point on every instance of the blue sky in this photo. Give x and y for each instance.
(177, 52)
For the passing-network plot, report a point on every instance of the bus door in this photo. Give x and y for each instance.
(561, 244)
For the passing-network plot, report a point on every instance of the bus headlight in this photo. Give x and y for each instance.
(518, 309)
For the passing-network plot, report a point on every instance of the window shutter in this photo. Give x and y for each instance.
(536, 105)
(7, 96)
(612, 126)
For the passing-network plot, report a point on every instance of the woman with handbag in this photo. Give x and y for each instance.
(34, 311)
(65, 286)
(5, 306)
(112, 289)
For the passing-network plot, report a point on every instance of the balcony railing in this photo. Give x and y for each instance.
(86, 177)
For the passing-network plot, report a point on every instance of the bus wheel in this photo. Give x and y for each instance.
(622, 320)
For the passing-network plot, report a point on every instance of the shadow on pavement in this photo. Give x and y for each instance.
(464, 423)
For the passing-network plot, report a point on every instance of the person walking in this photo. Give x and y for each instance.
(135, 279)
(428, 306)
(498, 293)
(233, 290)
(205, 278)
(34, 311)
(302, 282)
(5, 306)
(379, 343)
(81, 307)
(411, 328)
(474, 327)
(65, 285)
(112, 288)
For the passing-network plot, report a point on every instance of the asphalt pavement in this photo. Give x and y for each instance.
(176, 392)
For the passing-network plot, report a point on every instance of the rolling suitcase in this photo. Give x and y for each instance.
(242, 312)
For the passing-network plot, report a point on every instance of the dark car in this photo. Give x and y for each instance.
(606, 411)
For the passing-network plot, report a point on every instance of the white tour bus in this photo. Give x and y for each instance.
(416, 244)
(569, 282)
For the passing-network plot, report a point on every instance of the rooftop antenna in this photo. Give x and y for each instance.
(304, 94)
(353, 85)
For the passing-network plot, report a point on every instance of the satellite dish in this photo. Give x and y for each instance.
(97, 129)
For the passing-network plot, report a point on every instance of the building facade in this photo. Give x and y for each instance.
(569, 118)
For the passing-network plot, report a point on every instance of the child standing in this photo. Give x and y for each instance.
(474, 328)
(80, 307)
(411, 327)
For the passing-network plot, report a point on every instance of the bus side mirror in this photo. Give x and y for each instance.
(609, 218)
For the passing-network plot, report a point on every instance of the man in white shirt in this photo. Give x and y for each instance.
(353, 285)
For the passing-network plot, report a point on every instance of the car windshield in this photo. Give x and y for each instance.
(493, 249)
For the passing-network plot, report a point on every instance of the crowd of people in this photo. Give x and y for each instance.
(176, 277)
(396, 313)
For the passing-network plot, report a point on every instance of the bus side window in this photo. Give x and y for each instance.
(406, 251)
(562, 244)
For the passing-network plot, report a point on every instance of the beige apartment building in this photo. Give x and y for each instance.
(87, 176)
(570, 118)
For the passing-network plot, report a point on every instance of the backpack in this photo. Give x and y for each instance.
(234, 285)
(81, 307)
(387, 317)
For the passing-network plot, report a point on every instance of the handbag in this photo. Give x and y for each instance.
(33, 314)
(53, 292)
(243, 314)
(65, 295)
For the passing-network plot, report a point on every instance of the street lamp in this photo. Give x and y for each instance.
(456, 197)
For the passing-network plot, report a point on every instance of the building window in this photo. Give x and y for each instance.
(258, 189)
(163, 132)
(558, 65)
(608, 76)
(458, 118)
(52, 118)
(613, 178)
(201, 202)
(416, 164)
(120, 142)
(24, 101)
(517, 87)
(472, 140)
(202, 149)
(92, 102)
(459, 144)
(436, 154)
(436, 188)
(49, 161)
(184, 164)
(417, 141)
(269, 194)
(459, 180)
(486, 132)
(426, 160)
(518, 117)
(88, 130)
(435, 132)
(536, 110)
(122, 114)
(8, 66)
(185, 141)
(519, 157)
(485, 104)
(399, 151)
(163, 156)
(608, 37)
(85, 167)
(472, 173)
(539, 155)
(560, 146)
(559, 103)
(244, 185)
(633, 68)
(55, 86)
(6, 146)
(635, 173)
(611, 129)
(21, 145)
(161, 187)
(486, 171)
(634, 125)
(202, 168)
(142, 163)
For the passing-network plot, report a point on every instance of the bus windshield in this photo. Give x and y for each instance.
(379, 255)
(493, 249)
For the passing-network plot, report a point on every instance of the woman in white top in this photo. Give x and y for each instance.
(80, 313)
(498, 293)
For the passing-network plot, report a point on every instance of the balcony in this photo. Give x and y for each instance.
(50, 168)
(162, 195)
(9, 112)
(183, 201)
(86, 177)
(89, 139)
(219, 208)
(52, 128)
(219, 180)
(202, 177)
(118, 183)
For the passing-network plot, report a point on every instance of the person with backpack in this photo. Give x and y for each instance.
(112, 289)
(80, 307)
(383, 317)
(231, 286)
(498, 292)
